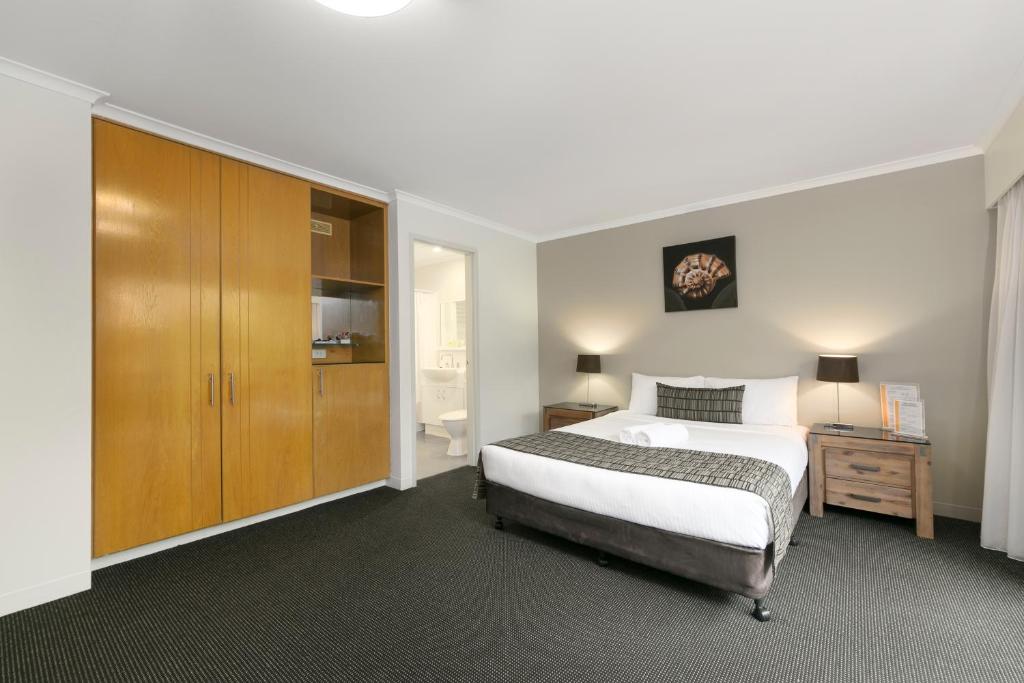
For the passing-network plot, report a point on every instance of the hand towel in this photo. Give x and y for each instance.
(662, 435)
(628, 434)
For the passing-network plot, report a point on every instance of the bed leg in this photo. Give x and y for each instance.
(602, 559)
(499, 523)
(761, 613)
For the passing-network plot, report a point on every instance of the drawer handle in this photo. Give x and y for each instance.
(865, 468)
(866, 499)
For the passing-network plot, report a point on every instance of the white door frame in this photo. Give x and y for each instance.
(472, 342)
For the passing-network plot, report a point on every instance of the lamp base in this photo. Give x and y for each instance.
(839, 426)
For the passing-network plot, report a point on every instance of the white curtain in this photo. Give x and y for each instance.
(1002, 525)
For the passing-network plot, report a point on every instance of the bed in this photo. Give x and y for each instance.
(719, 536)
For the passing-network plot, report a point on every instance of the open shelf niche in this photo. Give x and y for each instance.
(349, 267)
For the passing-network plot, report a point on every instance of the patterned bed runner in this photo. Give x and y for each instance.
(763, 478)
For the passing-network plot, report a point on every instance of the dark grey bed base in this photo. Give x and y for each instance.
(733, 568)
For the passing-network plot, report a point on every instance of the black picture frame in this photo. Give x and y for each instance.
(700, 275)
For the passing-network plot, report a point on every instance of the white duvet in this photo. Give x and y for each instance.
(712, 512)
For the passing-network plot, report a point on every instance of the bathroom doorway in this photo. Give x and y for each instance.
(444, 351)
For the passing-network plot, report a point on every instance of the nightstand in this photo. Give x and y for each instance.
(564, 414)
(872, 469)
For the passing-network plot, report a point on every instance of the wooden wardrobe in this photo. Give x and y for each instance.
(203, 391)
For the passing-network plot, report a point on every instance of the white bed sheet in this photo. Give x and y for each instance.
(712, 512)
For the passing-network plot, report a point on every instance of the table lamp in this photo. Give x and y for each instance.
(840, 369)
(589, 364)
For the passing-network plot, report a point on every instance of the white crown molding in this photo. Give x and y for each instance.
(811, 183)
(134, 119)
(43, 79)
(462, 215)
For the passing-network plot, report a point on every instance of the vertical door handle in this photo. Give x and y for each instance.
(213, 383)
(231, 387)
(321, 381)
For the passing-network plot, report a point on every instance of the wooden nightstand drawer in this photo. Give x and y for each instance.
(564, 418)
(565, 414)
(888, 500)
(869, 466)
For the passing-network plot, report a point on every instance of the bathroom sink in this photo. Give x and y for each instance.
(440, 375)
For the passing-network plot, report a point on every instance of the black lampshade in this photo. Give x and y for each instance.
(837, 368)
(585, 363)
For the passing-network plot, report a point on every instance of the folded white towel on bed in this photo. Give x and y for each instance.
(662, 435)
(628, 434)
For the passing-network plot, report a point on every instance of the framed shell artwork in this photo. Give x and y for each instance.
(700, 275)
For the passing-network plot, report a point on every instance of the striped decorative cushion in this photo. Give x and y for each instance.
(701, 405)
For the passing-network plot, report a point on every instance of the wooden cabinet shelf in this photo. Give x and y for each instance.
(354, 249)
(341, 287)
(349, 275)
(317, 362)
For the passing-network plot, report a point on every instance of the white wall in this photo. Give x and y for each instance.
(46, 344)
(448, 279)
(505, 309)
(1004, 158)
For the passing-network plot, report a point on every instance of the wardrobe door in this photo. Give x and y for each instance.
(156, 442)
(267, 437)
(350, 426)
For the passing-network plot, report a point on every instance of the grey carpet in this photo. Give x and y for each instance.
(417, 586)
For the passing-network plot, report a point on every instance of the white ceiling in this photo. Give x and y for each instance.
(548, 115)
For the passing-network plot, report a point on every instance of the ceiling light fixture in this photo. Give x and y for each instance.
(365, 8)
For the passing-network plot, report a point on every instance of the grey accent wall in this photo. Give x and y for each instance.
(895, 268)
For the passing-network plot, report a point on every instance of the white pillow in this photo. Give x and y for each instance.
(765, 401)
(644, 396)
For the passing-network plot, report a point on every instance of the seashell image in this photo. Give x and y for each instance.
(700, 276)
(696, 275)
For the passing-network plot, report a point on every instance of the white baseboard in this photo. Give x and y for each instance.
(49, 591)
(971, 514)
(150, 548)
(402, 484)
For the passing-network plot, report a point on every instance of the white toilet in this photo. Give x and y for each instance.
(455, 424)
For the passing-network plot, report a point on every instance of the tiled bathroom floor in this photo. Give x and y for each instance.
(432, 457)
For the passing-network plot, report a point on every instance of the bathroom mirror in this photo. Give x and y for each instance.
(331, 317)
(453, 324)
